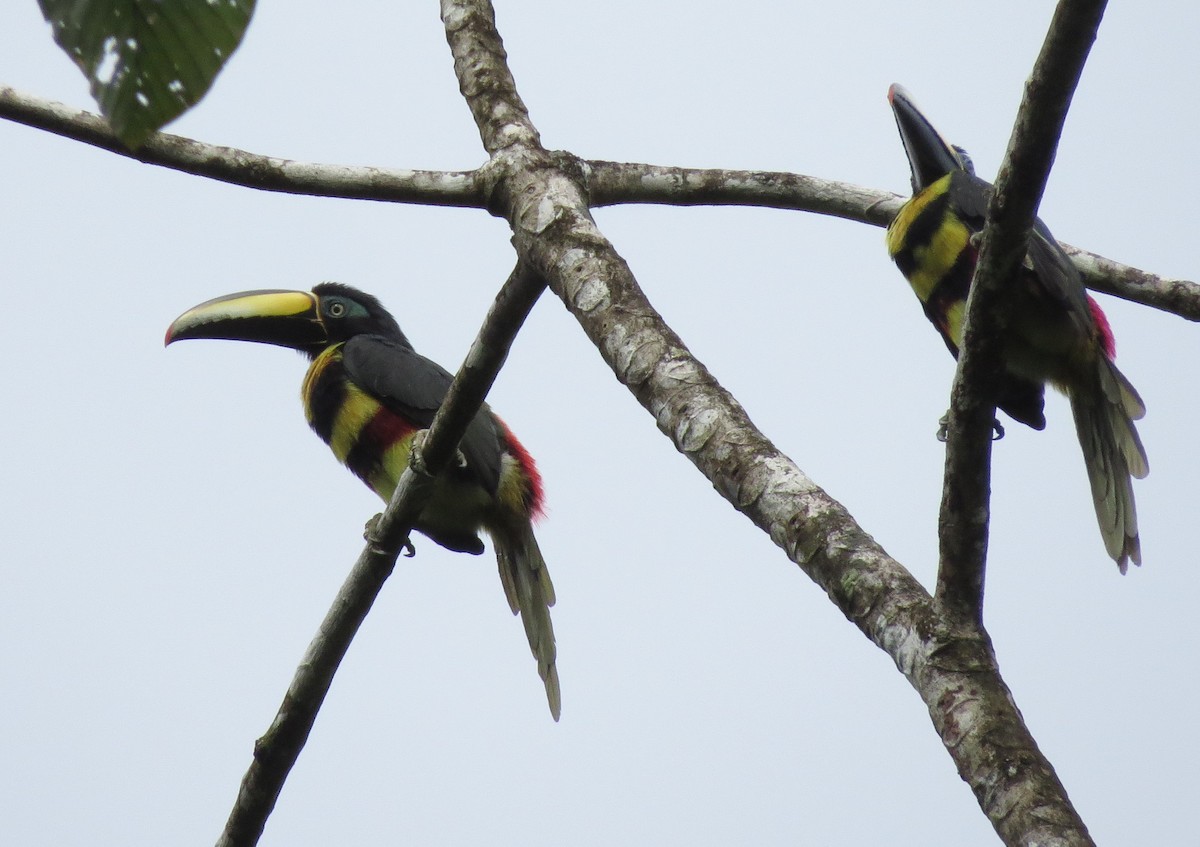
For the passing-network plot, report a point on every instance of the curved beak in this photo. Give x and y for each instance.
(285, 318)
(930, 156)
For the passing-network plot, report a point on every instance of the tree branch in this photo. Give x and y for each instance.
(488, 87)
(950, 663)
(276, 752)
(251, 170)
(614, 183)
(963, 524)
(617, 183)
(545, 198)
(1177, 296)
(608, 184)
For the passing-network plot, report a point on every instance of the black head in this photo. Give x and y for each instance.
(346, 312)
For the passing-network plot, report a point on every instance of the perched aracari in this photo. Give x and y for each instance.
(367, 393)
(1057, 334)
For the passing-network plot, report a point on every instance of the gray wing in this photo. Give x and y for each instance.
(1058, 277)
(1057, 273)
(413, 387)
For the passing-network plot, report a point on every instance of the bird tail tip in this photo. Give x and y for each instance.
(530, 593)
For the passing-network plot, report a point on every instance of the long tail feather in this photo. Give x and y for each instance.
(530, 593)
(1114, 455)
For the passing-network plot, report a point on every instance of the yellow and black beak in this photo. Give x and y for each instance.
(930, 156)
(285, 318)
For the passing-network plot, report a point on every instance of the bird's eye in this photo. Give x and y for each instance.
(336, 309)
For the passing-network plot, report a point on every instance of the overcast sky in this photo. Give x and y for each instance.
(173, 533)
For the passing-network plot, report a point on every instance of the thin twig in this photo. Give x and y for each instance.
(276, 752)
(962, 527)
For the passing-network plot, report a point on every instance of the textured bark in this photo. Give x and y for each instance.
(608, 183)
(612, 183)
(546, 197)
(228, 164)
(946, 658)
(1178, 296)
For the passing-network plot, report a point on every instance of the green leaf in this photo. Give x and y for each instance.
(148, 61)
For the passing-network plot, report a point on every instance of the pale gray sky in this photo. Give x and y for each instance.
(173, 533)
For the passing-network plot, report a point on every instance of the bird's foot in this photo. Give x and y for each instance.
(371, 534)
(416, 456)
(372, 537)
(943, 431)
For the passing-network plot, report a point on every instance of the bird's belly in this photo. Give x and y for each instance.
(1047, 344)
(457, 508)
(455, 513)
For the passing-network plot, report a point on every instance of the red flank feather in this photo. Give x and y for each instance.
(1107, 343)
(537, 505)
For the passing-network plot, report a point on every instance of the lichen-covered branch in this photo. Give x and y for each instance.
(1177, 296)
(251, 170)
(481, 66)
(950, 664)
(949, 661)
(613, 183)
(608, 184)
